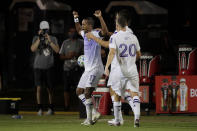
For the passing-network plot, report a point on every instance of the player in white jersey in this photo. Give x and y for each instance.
(92, 62)
(124, 46)
(114, 78)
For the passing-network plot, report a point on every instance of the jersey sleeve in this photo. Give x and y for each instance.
(97, 33)
(112, 43)
(82, 33)
(137, 45)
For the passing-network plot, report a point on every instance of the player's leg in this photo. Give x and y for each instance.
(136, 108)
(80, 91)
(112, 94)
(129, 99)
(81, 87)
(89, 103)
(93, 80)
(117, 108)
(133, 84)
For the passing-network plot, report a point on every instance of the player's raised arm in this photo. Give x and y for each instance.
(77, 24)
(104, 30)
(100, 41)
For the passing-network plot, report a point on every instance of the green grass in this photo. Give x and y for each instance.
(72, 123)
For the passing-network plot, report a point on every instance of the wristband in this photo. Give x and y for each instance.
(76, 20)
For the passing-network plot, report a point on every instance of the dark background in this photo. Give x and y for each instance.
(16, 57)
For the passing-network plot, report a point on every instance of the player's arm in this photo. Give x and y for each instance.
(98, 40)
(110, 57)
(138, 55)
(104, 29)
(76, 20)
(138, 52)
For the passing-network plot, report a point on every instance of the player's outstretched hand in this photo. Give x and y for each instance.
(75, 14)
(97, 13)
(89, 35)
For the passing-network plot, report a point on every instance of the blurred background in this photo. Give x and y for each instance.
(161, 26)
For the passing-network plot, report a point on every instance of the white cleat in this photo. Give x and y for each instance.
(40, 113)
(49, 112)
(114, 123)
(137, 123)
(96, 116)
(113, 120)
(87, 122)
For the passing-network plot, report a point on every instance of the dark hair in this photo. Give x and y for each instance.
(125, 13)
(122, 21)
(90, 21)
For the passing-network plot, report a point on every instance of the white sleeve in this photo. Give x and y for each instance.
(112, 42)
(82, 33)
(137, 45)
(96, 33)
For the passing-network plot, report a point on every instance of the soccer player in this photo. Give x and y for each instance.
(124, 46)
(93, 64)
(113, 82)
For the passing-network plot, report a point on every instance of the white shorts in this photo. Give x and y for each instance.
(120, 85)
(130, 83)
(114, 81)
(90, 78)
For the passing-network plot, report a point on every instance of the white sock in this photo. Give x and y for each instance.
(120, 112)
(120, 115)
(130, 101)
(82, 98)
(89, 106)
(136, 107)
(94, 111)
(117, 108)
(112, 98)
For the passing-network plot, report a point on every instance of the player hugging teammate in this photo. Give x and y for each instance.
(124, 50)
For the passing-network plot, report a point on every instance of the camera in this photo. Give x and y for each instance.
(42, 34)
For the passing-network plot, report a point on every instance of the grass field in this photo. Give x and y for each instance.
(72, 123)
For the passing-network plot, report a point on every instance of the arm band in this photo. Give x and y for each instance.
(76, 20)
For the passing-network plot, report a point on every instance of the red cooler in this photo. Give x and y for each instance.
(101, 98)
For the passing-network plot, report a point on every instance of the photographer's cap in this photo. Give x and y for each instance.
(44, 25)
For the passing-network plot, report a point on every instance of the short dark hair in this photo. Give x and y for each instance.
(90, 21)
(125, 13)
(122, 21)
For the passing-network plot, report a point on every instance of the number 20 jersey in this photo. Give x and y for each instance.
(126, 45)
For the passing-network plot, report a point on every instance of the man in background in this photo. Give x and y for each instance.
(70, 50)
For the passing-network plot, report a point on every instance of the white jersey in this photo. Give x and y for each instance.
(115, 68)
(126, 45)
(115, 65)
(92, 52)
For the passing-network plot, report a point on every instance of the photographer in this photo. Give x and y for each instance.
(44, 45)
